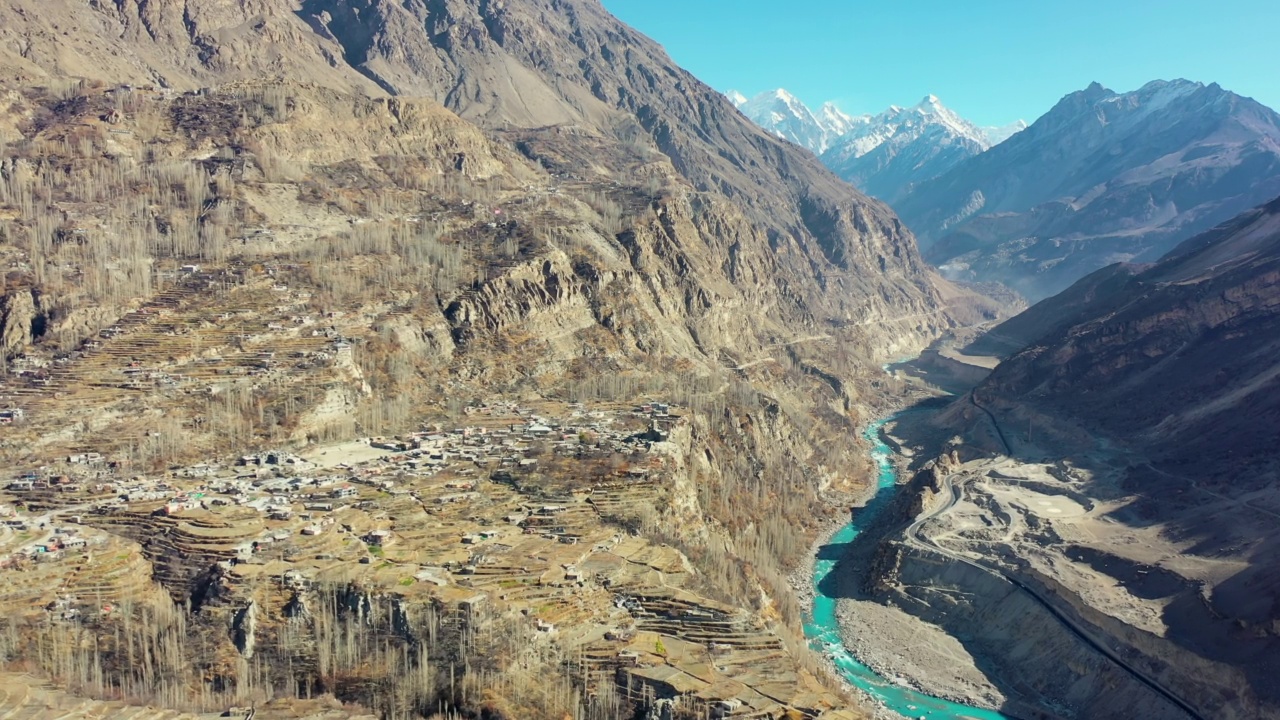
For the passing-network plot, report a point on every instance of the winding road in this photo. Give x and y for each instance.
(1000, 433)
(955, 493)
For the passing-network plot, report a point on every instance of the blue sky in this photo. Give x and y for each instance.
(993, 61)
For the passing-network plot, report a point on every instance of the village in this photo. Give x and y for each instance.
(285, 487)
(536, 512)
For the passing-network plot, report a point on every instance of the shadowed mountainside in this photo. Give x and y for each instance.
(1101, 178)
(1176, 365)
(1166, 357)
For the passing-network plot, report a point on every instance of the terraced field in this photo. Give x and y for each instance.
(25, 697)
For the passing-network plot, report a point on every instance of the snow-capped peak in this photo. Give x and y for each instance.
(836, 121)
(789, 101)
(789, 118)
(884, 154)
(998, 134)
(1155, 95)
(915, 121)
(737, 98)
(778, 102)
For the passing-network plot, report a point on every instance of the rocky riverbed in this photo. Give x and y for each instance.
(802, 582)
(906, 650)
(821, 588)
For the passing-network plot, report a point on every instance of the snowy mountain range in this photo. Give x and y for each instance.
(1103, 177)
(884, 155)
(786, 116)
(998, 134)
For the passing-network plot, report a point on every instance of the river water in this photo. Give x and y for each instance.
(823, 629)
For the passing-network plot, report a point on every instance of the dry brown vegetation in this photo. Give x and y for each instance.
(429, 285)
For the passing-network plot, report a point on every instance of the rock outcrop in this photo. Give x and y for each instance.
(17, 317)
(244, 630)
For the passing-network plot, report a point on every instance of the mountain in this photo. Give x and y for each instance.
(890, 153)
(883, 155)
(997, 135)
(243, 227)
(783, 114)
(504, 67)
(836, 121)
(1102, 177)
(1167, 355)
(1162, 382)
(1026, 327)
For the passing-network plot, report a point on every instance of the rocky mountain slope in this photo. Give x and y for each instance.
(1148, 397)
(1102, 177)
(243, 226)
(1177, 358)
(533, 65)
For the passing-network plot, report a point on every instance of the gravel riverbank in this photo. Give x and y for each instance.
(910, 652)
(801, 581)
(896, 645)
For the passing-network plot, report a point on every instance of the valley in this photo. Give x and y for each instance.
(1088, 565)
(973, 581)
(470, 360)
(828, 621)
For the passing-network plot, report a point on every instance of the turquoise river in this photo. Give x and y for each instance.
(823, 629)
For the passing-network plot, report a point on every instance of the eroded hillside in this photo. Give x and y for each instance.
(1110, 491)
(263, 266)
